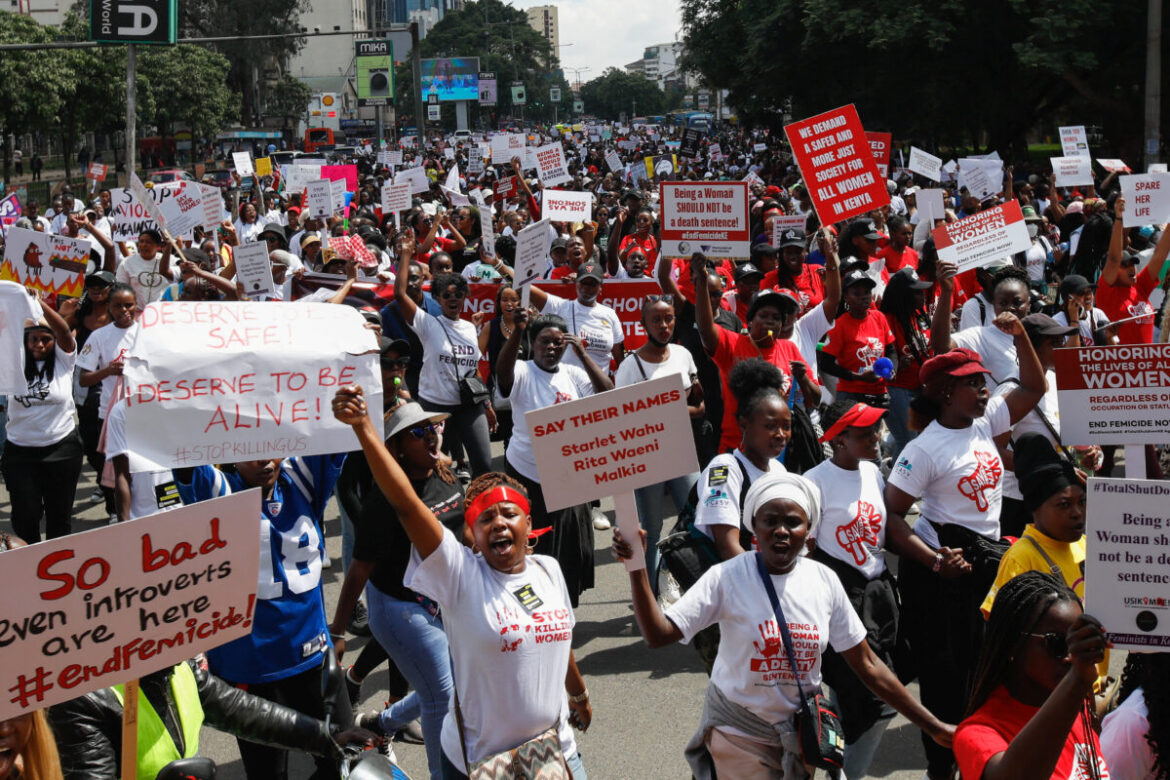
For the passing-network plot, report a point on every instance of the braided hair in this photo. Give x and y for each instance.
(1151, 673)
(1019, 606)
(492, 479)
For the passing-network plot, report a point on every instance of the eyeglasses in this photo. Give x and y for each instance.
(420, 431)
(1055, 644)
(667, 298)
(392, 363)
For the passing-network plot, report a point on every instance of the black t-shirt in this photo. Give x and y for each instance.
(379, 538)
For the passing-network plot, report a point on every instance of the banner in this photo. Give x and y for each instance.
(1074, 141)
(1127, 561)
(707, 217)
(837, 165)
(216, 382)
(115, 603)
(564, 206)
(988, 235)
(45, 263)
(1147, 199)
(551, 165)
(1071, 171)
(1114, 394)
(925, 164)
(879, 146)
(612, 442)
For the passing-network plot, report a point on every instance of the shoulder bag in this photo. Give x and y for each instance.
(472, 390)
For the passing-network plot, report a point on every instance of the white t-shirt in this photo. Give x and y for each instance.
(597, 325)
(1032, 423)
(16, 306)
(510, 637)
(1091, 320)
(44, 415)
(752, 668)
(958, 474)
(1123, 740)
(535, 388)
(450, 351)
(977, 311)
(809, 330)
(152, 488)
(997, 349)
(248, 231)
(1036, 257)
(721, 487)
(143, 276)
(678, 361)
(853, 515)
(104, 346)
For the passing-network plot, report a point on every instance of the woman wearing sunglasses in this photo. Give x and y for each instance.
(403, 622)
(1124, 291)
(1030, 714)
(507, 613)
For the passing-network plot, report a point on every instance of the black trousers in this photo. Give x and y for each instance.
(90, 427)
(40, 488)
(302, 692)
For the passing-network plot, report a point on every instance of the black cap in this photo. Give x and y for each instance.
(871, 230)
(387, 345)
(560, 242)
(100, 279)
(764, 248)
(912, 275)
(1038, 325)
(1074, 284)
(793, 237)
(1042, 472)
(745, 270)
(857, 277)
(782, 301)
(590, 271)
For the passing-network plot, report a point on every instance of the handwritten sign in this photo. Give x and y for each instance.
(562, 206)
(982, 237)
(91, 610)
(925, 164)
(838, 167)
(46, 263)
(320, 199)
(551, 165)
(1114, 394)
(505, 146)
(707, 217)
(220, 382)
(1147, 199)
(396, 198)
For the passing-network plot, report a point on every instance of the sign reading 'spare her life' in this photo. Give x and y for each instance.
(983, 237)
(98, 608)
(707, 217)
(837, 164)
(1114, 394)
(1127, 561)
(612, 442)
(216, 382)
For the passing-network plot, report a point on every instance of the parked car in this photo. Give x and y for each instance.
(170, 174)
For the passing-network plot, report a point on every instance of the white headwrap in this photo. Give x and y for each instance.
(792, 487)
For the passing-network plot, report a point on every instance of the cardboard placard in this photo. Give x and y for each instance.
(506, 187)
(337, 193)
(396, 198)
(837, 165)
(45, 263)
(97, 172)
(212, 203)
(930, 205)
(925, 164)
(532, 245)
(254, 269)
(983, 237)
(1127, 561)
(563, 206)
(319, 199)
(1071, 171)
(505, 146)
(109, 605)
(1074, 142)
(784, 222)
(264, 166)
(416, 177)
(217, 382)
(880, 145)
(1147, 199)
(242, 161)
(1114, 394)
(346, 173)
(707, 217)
(551, 166)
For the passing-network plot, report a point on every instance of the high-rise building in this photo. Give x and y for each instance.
(543, 19)
(401, 11)
(659, 63)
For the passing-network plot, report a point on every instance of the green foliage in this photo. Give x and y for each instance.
(187, 85)
(36, 83)
(616, 91)
(288, 98)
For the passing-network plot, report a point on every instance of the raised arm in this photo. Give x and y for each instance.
(655, 627)
(422, 527)
(828, 246)
(940, 322)
(405, 252)
(60, 328)
(704, 316)
(611, 251)
(506, 360)
(1117, 246)
(662, 272)
(599, 378)
(109, 253)
(1158, 259)
(1024, 397)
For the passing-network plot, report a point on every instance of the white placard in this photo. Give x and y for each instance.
(43, 262)
(320, 199)
(254, 269)
(614, 161)
(505, 146)
(1127, 561)
(243, 163)
(115, 603)
(925, 164)
(139, 190)
(1147, 199)
(297, 177)
(564, 206)
(551, 165)
(474, 160)
(1156, 168)
(337, 194)
(212, 201)
(456, 197)
(981, 177)
(1074, 142)
(1113, 165)
(217, 382)
(782, 222)
(930, 205)
(707, 217)
(759, 147)
(1071, 171)
(1114, 394)
(983, 237)
(532, 244)
(416, 177)
(396, 198)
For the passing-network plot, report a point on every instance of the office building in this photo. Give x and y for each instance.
(543, 19)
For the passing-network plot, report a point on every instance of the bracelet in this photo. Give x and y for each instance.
(937, 563)
(580, 697)
(336, 636)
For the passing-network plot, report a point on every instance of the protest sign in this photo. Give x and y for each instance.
(783, 222)
(337, 193)
(217, 382)
(45, 263)
(455, 197)
(181, 205)
(551, 165)
(297, 177)
(879, 146)
(614, 161)
(486, 228)
(691, 141)
(661, 166)
(212, 202)
(930, 205)
(452, 182)
(9, 212)
(1156, 168)
(1071, 171)
(981, 177)
(416, 177)
(714, 153)
(396, 198)
(505, 146)
(837, 165)
(563, 206)
(1127, 561)
(982, 237)
(394, 158)
(243, 163)
(1114, 394)
(506, 187)
(254, 269)
(925, 164)
(1074, 142)
(97, 172)
(532, 245)
(1147, 199)
(474, 160)
(264, 166)
(707, 217)
(346, 173)
(611, 444)
(15, 306)
(146, 198)
(319, 199)
(115, 603)
(1113, 165)
(449, 153)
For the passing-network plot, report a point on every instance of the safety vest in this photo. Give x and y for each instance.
(156, 749)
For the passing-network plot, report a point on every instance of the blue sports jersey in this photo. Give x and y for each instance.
(289, 630)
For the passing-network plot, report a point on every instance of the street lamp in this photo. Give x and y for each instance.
(576, 75)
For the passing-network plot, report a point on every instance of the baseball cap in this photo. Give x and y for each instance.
(858, 416)
(100, 279)
(1074, 284)
(1038, 325)
(590, 271)
(871, 230)
(857, 277)
(781, 300)
(912, 275)
(957, 362)
(793, 237)
(745, 270)
(560, 242)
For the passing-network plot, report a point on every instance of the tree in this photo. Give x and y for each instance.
(96, 99)
(187, 85)
(35, 82)
(615, 92)
(288, 99)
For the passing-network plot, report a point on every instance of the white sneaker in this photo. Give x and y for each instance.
(112, 520)
(600, 521)
(96, 496)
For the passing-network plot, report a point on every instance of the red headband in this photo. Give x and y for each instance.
(490, 498)
(858, 416)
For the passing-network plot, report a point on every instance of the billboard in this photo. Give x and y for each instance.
(487, 89)
(374, 63)
(131, 21)
(451, 78)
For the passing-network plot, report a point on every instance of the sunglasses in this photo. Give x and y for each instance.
(666, 298)
(1055, 644)
(392, 363)
(449, 294)
(420, 431)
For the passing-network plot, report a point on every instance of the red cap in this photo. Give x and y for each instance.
(957, 362)
(858, 416)
(771, 189)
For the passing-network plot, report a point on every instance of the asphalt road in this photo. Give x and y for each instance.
(646, 703)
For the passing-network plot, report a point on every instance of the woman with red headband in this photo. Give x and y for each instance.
(507, 614)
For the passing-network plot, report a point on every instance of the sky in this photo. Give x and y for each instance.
(609, 33)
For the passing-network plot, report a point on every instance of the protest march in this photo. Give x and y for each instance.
(346, 462)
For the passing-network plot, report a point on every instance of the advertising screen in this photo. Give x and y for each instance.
(451, 78)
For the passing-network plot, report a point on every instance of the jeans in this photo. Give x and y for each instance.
(576, 766)
(650, 512)
(468, 426)
(415, 640)
(898, 420)
(346, 535)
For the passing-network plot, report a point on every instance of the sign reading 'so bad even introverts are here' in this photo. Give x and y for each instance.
(94, 609)
(612, 442)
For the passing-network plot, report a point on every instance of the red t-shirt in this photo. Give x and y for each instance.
(857, 344)
(734, 347)
(1121, 301)
(809, 286)
(649, 247)
(994, 725)
(907, 373)
(895, 260)
(681, 270)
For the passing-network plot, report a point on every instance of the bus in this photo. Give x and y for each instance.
(700, 120)
(318, 136)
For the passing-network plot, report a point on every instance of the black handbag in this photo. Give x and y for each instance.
(473, 391)
(822, 740)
